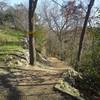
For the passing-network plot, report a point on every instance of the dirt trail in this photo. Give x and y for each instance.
(31, 83)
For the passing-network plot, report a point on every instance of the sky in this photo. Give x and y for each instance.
(12, 2)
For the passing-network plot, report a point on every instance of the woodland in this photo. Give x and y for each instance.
(50, 50)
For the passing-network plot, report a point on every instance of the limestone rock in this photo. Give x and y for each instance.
(70, 75)
(66, 88)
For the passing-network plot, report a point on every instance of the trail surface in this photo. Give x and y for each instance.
(31, 82)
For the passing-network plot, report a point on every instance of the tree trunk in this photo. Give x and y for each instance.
(84, 29)
(32, 7)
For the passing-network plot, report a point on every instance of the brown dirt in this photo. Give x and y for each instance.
(31, 83)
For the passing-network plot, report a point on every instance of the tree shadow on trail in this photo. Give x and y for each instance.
(13, 92)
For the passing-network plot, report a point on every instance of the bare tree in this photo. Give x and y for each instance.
(60, 19)
(3, 6)
(57, 22)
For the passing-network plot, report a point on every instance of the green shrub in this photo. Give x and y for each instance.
(40, 37)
